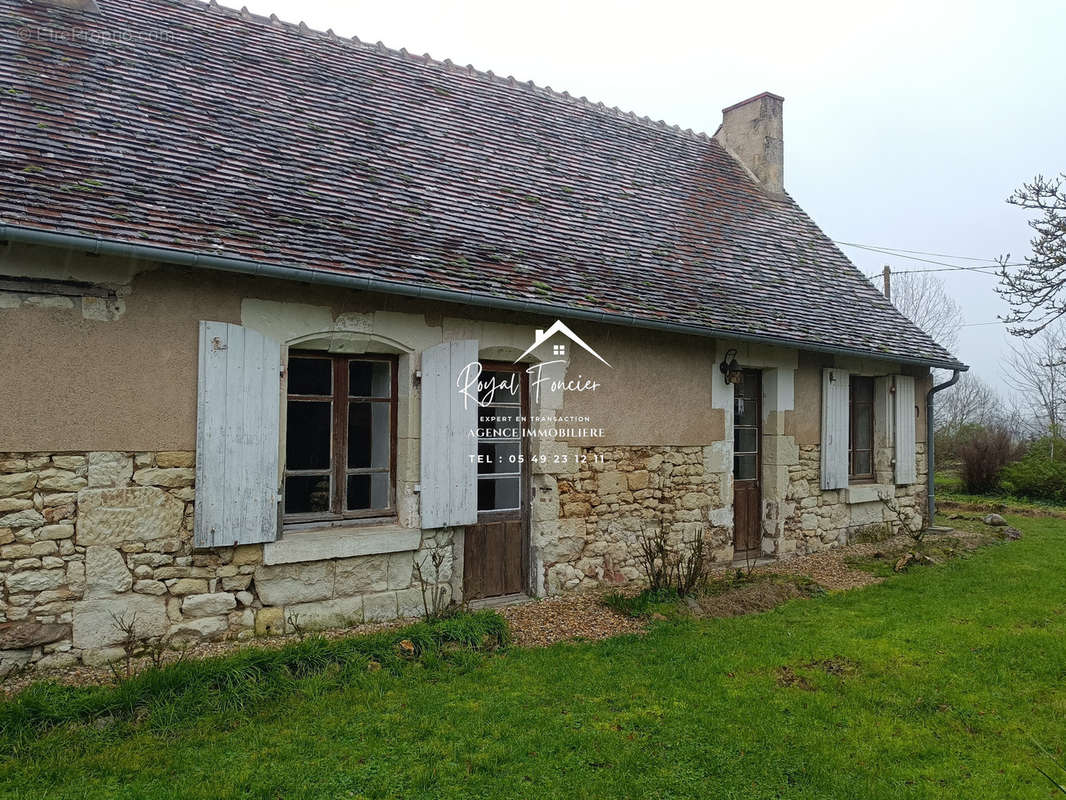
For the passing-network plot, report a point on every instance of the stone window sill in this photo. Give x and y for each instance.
(340, 542)
(868, 492)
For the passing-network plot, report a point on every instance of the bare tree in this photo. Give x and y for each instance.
(925, 301)
(970, 402)
(1035, 292)
(1037, 371)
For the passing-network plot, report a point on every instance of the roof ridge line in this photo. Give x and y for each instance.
(301, 28)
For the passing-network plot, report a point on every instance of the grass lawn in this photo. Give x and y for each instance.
(936, 683)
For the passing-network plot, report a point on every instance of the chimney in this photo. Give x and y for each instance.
(751, 131)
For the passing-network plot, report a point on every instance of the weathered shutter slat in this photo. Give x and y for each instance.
(905, 431)
(237, 429)
(449, 474)
(835, 395)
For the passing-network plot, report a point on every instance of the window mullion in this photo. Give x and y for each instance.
(340, 437)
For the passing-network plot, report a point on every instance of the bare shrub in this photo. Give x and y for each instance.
(681, 569)
(982, 457)
(434, 596)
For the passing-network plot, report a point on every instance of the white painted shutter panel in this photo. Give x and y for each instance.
(237, 430)
(449, 474)
(835, 395)
(906, 470)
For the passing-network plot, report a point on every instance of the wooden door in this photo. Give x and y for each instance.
(496, 551)
(747, 465)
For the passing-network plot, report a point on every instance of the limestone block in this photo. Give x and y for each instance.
(409, 601)
(638, 480)
(153, 476)
(379, 607)
(363, 574)
(53, 562)
(133, 514)
(69, 462)
(867, 513)
(184, 586)
(301, 582)
(780, 450)
(193, 630)
(238, 583)
(45, 548)
(177, 458)
(245, 598)
(94, 625)
(401, 569)
(27, 518)
(562, 540)
(342, 612)
(103, 655)
(53, 514)
(15, 551)
(247, 554)
(109, 469)
(14, 504)
(612, 482)
(270, 621)
(146, 586)
(20, 635)
(693, 500)
(60, 480)
(35, 580)
(17, 483)
(105, 572)
(205, 605)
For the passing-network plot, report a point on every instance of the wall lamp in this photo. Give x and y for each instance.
(730, 368)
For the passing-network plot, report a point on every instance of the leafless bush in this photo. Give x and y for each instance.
(130, 642)
(434, 595)
(982, 457)
(293, 621)
(681, 569)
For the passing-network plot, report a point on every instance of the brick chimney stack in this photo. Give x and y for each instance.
(752, 132)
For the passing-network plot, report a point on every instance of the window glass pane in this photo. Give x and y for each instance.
(494, 457)
(747, 386)
(745, 440)
(310, 375)
(862, 390)
(307, 435)
(745, 467)
(744, 411)
(497, 494)
(368, 434)
(863, 427)
(368, 491)
(369, 379)
(862, 463)
(306, 494)
(499, 387)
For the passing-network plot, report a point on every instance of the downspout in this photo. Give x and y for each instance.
(930, 477)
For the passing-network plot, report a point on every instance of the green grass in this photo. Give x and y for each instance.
(949, 488)
(940, 682)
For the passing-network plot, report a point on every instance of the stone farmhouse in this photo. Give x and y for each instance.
(282, 314)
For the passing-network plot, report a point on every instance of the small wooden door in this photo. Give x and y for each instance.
(747, 464)
(496, 552)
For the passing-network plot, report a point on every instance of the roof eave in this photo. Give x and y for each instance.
(168, 255)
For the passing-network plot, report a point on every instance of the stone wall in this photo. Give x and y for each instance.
(88, 537)
(613, 493)
(821, 519)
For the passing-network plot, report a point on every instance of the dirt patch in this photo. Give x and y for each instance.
(555, 619)
(758, 596)
(790, 679)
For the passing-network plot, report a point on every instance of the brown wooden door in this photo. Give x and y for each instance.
(495, 551)
(747, 465)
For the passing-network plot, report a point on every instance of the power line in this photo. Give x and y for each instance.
(882, 248)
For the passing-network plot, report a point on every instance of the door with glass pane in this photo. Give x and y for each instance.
(747, 438)
(495, 551)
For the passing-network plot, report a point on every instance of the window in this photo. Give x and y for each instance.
(499, 444)
(861, 434)
(340, 437)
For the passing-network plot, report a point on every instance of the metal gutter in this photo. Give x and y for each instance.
(166, 255)
(930, 477)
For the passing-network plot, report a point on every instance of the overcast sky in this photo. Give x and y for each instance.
(906, 124)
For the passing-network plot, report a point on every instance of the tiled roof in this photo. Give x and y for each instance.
(194, 127)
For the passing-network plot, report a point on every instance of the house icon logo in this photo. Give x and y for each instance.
(559, 349)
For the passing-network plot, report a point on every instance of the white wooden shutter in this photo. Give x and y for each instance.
(449, 474)
(835, 396)
(906, 470)
(237, 431)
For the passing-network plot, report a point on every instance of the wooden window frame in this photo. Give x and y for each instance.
(524, 468)
(860, 477)
(339, 471)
